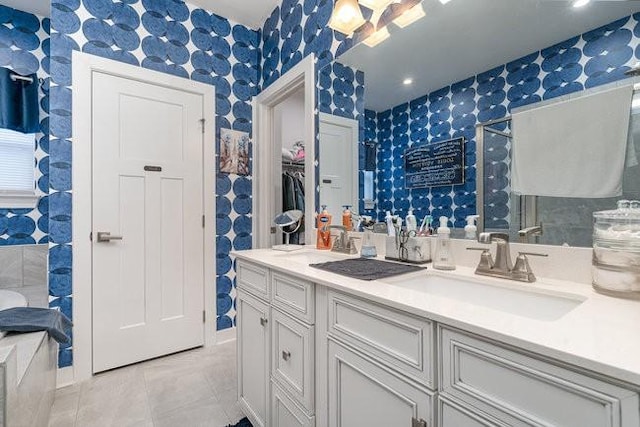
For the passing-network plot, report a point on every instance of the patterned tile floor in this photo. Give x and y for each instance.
(190, 389)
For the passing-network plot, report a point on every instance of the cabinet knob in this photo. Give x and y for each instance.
(418, 422)
(264, 321)
(286, 355)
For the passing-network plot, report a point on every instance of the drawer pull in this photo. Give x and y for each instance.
(286, 355)
(264, 321)
(418, 422)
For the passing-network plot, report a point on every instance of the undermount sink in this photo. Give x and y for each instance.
(531, 303)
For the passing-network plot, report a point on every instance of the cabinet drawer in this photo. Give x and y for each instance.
(293, 296)
(292, 357)
(525, 391)
(397, 338)
(285, 412)
(451, 414)
(366, 393)
(252, 278)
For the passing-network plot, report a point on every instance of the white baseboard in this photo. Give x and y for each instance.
(65, 377)
(225, 335)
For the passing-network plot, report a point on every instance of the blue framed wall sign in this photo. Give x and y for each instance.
(436, 164)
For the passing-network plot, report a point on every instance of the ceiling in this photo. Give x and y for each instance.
(251, 13)
(37, 7)
(467, 37)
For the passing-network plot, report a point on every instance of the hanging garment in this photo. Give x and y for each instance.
(19, 108)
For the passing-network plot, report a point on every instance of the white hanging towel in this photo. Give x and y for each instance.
(573, 148)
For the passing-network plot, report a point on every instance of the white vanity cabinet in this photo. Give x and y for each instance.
(314, 355)
(276, 347)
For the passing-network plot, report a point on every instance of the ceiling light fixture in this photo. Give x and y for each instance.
(410, 16)
(347, 17)
(407, 81)
(580, 3)
(444, 1)
(375, 4)
(378, 37)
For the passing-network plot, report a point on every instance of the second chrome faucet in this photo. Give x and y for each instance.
(502, 266)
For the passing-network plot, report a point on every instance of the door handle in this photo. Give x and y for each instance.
(105, 236)
(286, 355)
(263, 321)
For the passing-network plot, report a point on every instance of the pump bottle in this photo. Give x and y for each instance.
(444, 256)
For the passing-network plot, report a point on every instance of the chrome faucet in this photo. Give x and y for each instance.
(343, 243)
(524, 234)
(502, 267)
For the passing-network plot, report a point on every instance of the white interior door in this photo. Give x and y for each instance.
(338, 164)
(148, 286)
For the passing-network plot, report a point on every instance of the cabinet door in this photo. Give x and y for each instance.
(253, 321)
(292, 358)
(365, 393)
(285, 412)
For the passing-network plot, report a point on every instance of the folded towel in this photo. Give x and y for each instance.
(19, 108)
(573, 148)
(31, 319)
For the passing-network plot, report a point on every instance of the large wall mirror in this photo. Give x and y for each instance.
(464, 70)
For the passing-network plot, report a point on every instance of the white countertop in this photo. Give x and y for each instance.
(601, 334)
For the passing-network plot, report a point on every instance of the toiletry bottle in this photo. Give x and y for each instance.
(444, 256)
(391, 229)
(470, 230)
(324, 233)
(412, 224)
(347, 221)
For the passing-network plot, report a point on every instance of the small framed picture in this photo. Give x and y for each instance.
(234, 152)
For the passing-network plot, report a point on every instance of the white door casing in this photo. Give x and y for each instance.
(338, 163)
(302, 75)
(147, 190)
(86, 70)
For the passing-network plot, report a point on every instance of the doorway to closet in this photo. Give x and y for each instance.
(288, 127)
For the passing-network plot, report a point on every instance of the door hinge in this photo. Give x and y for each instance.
(203, 121)
(204, 316)
(203, 221)
(418, 422)
(91, 236)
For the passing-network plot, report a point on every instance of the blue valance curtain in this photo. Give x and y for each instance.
(19, 109)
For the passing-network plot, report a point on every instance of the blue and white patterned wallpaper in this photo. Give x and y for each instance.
(24, 47)
(172, 37)
(591, 59)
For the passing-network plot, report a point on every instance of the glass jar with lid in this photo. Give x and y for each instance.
(616, 250)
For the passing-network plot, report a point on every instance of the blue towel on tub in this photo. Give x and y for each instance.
(19, 108)
(32, 319)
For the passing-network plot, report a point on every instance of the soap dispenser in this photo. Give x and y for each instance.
(444, 256)
(471, 230)
(411, 222)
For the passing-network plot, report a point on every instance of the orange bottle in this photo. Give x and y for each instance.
(347, 220)
(323, 222)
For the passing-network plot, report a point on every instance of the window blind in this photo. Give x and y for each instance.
(17, 161)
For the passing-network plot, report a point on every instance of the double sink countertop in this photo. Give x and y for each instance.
(555, 318)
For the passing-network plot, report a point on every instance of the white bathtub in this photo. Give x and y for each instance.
(11, 299)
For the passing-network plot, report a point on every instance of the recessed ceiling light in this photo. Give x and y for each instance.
(407, 81)
(444, 1)
(410, 16)
(580, 3)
